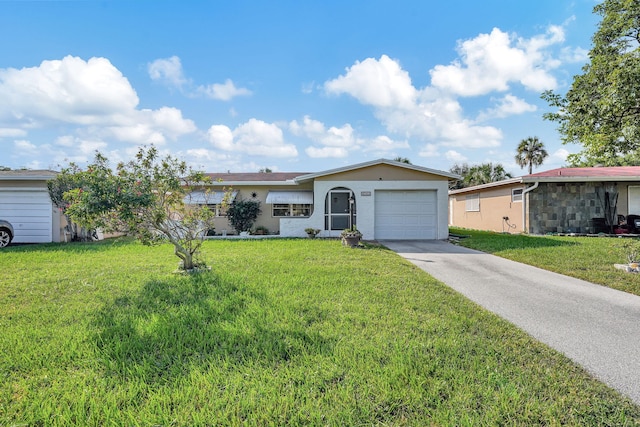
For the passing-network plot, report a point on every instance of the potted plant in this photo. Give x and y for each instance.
(351, 237)
(311, 232)
(261, 230)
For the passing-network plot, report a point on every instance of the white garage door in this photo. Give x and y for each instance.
(30, 213)
(406, 215)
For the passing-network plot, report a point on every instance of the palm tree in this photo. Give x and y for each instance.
(484, 174)
(402, 160)
(530, 152)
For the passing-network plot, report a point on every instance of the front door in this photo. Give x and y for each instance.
(340, 209)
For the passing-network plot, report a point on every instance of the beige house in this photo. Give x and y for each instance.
(564, 200)
(383, 198)
(497, 206)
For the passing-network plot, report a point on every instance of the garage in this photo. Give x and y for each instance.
(30, 211)
(406, 215)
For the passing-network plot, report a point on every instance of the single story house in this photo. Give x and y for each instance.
(25, 203)
(383, 198)
(563, 200)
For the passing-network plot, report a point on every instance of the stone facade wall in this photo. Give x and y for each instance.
(565, 207)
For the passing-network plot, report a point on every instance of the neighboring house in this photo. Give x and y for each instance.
(564, 200)
(25, 203)
(384, 199)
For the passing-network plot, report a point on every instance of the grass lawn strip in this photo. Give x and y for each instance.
(586, 258)
(298, 332)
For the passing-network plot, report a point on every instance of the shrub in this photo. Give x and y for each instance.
(242, 214)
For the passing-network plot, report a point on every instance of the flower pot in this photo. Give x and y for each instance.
(351, 241)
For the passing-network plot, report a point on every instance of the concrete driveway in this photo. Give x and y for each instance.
(597, 327)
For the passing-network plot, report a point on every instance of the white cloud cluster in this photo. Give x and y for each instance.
(380, 83)
(506, 106)
(92, 95)
(337, 142)
(254, 137)
(490, 62)
(169, 71)
(223, 92)
(403, 109)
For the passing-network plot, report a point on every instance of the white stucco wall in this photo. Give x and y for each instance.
(365, 206)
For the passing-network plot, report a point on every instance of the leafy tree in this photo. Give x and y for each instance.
(265, 170)
(461, 170)
(66, 181)
(4, 168)
(145, 197)
(478, 174)
(601, 110)
(402, 160)
(242, 214)
(530, 152)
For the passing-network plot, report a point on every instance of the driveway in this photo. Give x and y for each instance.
(595, 326)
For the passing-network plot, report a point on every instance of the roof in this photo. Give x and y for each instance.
(27, 175)
(610, 173)
(509, 181)
(227, 177)
(373, 163)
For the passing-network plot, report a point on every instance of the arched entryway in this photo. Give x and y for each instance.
(339, 209)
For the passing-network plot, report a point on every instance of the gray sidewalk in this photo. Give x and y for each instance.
(597, 327)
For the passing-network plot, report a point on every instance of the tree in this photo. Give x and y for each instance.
(265, 170)
(461, 170)
(402, 160)
(478, 174)
(66, 181)
(146, 197)
(601, 110)
(530, 152)
(242, 214)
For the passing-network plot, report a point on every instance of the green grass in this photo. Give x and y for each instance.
(587, 258)
(279, 332)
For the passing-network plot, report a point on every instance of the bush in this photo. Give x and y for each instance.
(242, 214)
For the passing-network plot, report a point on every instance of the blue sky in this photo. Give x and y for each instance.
(286, 85)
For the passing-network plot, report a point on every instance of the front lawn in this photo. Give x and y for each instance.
(586, 258)
(279, 332)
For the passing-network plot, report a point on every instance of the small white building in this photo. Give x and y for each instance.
(25, 203)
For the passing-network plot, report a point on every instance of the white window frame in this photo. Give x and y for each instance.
(516, 195)
(293, 210)
(472, 202)
(217, 209)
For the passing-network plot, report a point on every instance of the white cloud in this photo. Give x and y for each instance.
(490, 62)
(70, 90)
(383, 144)
(254, 137)
(560, 155)
(326, 152)
(380, 83)
(455, 157)
(403, 109)
(224, 91)
(12, 132)
(92, 95)
(167, 71)
(339, 141)
(508, 105)
(429, 150)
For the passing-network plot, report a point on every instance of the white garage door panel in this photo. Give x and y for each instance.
(408, 215)
(30, 213)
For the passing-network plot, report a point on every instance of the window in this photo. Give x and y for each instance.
(473, 203)
(217, 208)
(516, 195)
(292, 209)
